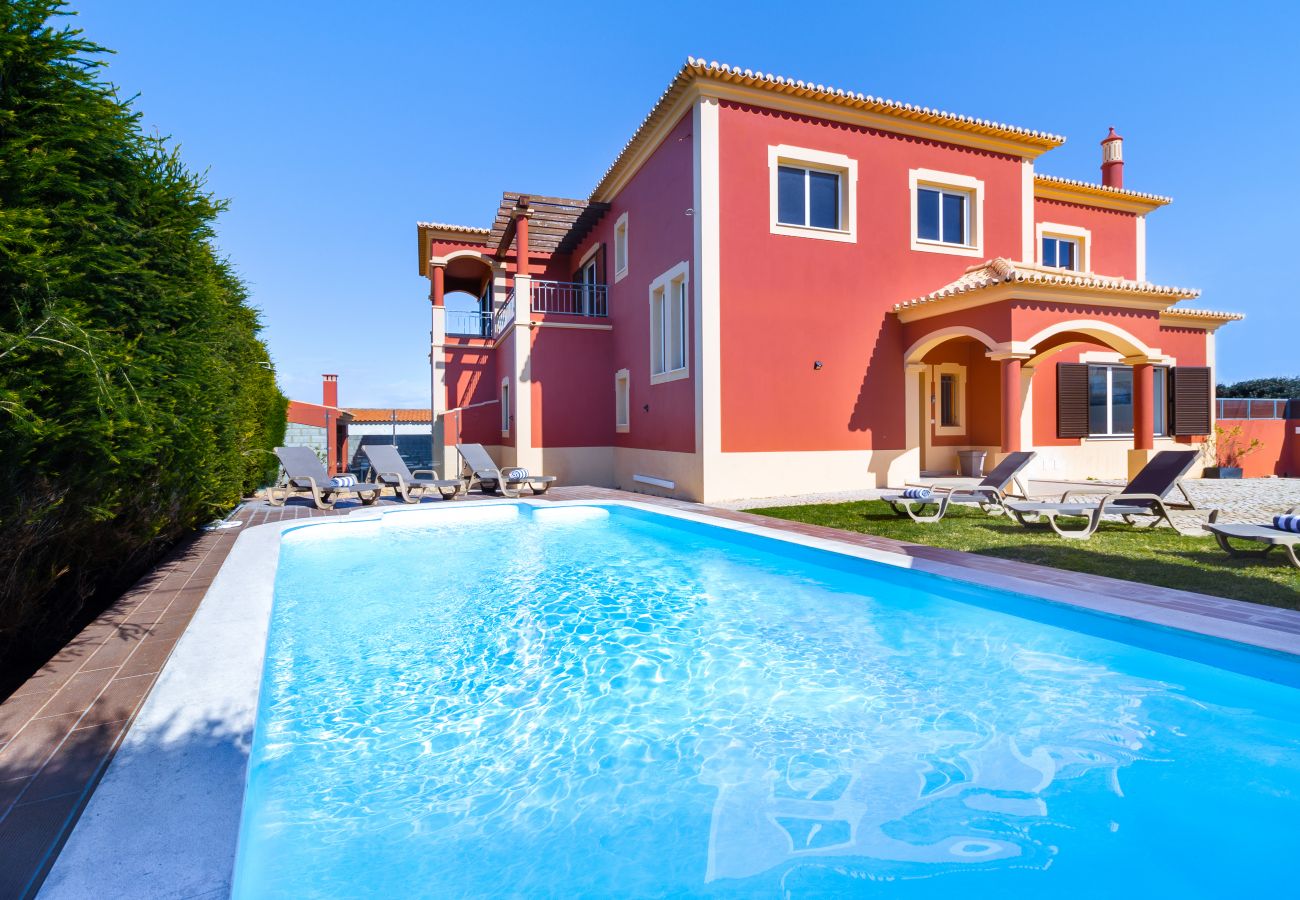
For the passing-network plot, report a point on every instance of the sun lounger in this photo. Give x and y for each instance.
(1143, 496)
(306, 475)
(1269, 535)
(989, 495)
(484, 472)
(388, 468)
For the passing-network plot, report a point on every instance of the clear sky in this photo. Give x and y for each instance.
(332, 128)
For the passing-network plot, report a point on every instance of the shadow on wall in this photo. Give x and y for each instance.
(878, 410)
(164, 819)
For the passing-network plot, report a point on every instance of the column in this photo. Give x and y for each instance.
(521, 388)
(1144, 414)
(438, 371)
(1011, 405)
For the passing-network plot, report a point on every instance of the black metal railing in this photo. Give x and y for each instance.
(570, 298)
(1252, 408)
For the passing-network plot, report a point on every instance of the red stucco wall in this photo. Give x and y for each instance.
(1279, 451)
(1114, 234)
(572, 386)
(789, 301)
(472, 378)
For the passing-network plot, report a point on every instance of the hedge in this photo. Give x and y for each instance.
(136, 400)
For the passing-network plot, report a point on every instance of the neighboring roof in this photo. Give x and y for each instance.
(555, 225)
(907, 117)
(1000, 271)
(375, 415)
(457, 229)
(1051, 187)
(1200, 318)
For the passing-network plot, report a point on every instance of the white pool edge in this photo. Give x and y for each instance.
(164, 820)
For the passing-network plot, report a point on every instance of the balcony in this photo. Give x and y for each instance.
(565, 298)
(570, 298)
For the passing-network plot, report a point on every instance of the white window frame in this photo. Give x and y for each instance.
(952, 183)
(505, 399)
(1082, 238)
(621, 248)
(622, 401)
(818, 160)
(1110, 362)
(959, 371)
(670, 287)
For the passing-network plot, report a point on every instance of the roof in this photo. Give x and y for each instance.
(1001, 271)
(375, 416)
(1208, 315)
(907, 117)
(443, 226)
(1071, 190)
(555, 225)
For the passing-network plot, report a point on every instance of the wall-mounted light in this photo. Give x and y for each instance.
(817, 365)
(646, 407)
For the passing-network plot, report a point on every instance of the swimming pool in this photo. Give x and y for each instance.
(599, 700)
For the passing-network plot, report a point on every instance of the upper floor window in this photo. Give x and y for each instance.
(947, 212)
(813, 193)
(942, 215)
(808, 197)
(1061, 253)
(620, 248)
(669, 325)
(1063, 246)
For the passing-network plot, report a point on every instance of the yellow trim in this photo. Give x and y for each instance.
(1045, 293)
(1048, 187)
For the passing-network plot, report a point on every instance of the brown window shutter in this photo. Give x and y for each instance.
(1192, 397)
(1071, 400)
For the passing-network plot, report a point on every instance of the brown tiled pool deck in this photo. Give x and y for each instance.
(59, 731)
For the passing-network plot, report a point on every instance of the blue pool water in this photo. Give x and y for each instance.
(500, 701)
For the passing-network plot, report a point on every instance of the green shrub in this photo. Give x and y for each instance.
(136, 400)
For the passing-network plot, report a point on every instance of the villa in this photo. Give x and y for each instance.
(783, 286)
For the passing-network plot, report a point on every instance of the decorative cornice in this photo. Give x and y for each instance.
(1068, 190)
(700, 79)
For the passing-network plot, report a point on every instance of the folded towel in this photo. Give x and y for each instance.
(343, 481)
(1287, 523)
(515, 474)
(917, 493)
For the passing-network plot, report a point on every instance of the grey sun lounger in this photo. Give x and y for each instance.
(1143, 496)
(989, 495)
(484, 472)
(306, 475)
(1273, 538)
(388, 468)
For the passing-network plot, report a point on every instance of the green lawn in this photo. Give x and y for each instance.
(1152, 556)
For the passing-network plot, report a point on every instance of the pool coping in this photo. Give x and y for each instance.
(164, 820)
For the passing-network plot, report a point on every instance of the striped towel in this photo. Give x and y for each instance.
(515, 474)
(917, 493)
(343, 481)
(1287, 523)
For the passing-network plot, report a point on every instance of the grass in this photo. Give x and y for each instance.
(1157, 556)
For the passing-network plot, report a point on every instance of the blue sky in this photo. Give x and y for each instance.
(332, 130)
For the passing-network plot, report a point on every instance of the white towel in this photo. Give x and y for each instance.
(1287, 523)
(343, 481)
(515, 474)
(917, 493)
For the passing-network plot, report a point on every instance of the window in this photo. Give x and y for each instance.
(1063, 246)
(622, 400)
(948, 401)
(589, 296)
(949, 398)
(1110, 400)
(1061, 253)
(669, 328)
(946, 212)
(813, 193)
(808, 197)
(620, 248)
(505, 407)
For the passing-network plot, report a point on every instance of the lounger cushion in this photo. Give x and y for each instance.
(1287, 523)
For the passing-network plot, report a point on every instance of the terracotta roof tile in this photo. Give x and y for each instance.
(376, 415)
(1003, 271)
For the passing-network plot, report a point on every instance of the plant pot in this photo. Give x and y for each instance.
(971, 463)
(1222, 472)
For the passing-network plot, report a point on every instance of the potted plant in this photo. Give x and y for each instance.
(1229, 450)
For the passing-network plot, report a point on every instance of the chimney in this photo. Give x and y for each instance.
(330, 390)
(1112, 160)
